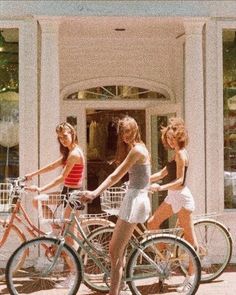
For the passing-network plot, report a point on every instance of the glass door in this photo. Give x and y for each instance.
(97, 136)
(156, 118)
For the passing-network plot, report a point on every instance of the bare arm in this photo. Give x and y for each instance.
(120, 171)
(180, 168)
(71, 161)
(133, 156)
(159, 175)
(45, 169)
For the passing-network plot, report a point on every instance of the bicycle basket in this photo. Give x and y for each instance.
(87, 216)
(51, 207)
(5, 197)
(111, 200)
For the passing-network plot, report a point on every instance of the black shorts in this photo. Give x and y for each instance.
(75, 205)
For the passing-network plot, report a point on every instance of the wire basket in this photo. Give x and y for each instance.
(51, 208)
(87, 216)
(111, 199)
(6, 197)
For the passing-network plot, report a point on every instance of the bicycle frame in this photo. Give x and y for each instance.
(144, 260)
(90, 250)
(83, 243)
(26, 222)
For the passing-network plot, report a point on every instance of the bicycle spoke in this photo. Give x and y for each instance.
(161, 272)
(215, 247)
(41, 272)
(94, 277)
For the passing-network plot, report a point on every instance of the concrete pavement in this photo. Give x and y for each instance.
(224, 285)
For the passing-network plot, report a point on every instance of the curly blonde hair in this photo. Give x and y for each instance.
(177, 127)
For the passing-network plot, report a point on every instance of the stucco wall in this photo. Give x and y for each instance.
(148, 59)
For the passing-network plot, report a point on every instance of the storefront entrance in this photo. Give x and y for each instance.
(96, 121)
(101, 145)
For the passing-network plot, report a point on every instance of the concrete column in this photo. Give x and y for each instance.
(28, 103)
(49, 94)
(194, 110)
(214, 123)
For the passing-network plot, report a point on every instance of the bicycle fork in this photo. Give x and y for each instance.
(56, 254)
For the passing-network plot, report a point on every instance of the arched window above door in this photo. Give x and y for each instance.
(116, 92)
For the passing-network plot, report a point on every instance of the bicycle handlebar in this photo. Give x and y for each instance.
(73, 199)
(18, 184)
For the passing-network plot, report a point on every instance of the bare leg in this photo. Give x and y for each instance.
(35, 204)
(68, 239)
(120, 238)
(163, 212)
(186, 222)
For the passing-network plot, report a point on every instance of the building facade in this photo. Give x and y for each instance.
(91, 61)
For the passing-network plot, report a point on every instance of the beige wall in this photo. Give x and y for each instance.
(149, 59)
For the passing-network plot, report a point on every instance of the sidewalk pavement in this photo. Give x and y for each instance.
(224, 285)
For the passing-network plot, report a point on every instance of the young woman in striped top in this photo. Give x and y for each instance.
(71, 162)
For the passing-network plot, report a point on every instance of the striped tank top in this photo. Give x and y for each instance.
(74, 178)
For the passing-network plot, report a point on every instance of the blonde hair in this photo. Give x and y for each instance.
(122, 148)
(62, 127)
(179, 131)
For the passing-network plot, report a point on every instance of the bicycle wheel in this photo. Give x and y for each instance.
(94, 277)
(153, 271)
(91, 224)
(215, 248)
(8, 244)
(40, 272)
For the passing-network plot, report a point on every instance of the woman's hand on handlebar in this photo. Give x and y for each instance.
(155, 187)
(86, 196)
(28, 176)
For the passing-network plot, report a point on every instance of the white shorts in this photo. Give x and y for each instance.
(179, 199)
(135, 207)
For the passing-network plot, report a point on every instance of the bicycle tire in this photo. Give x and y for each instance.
(8, 244)
(35, 274)
(215, 247)
(142, 276)
(94, 278)
(91, 224)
